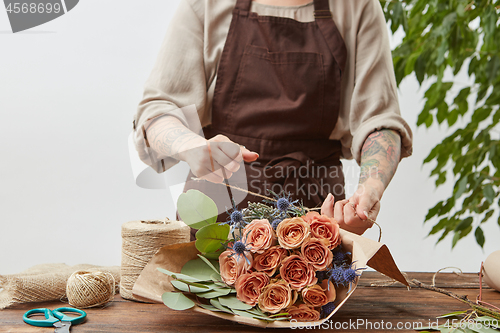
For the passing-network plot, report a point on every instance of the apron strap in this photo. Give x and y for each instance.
(324, 20)
(243, 5)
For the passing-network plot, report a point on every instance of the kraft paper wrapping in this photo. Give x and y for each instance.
(151, 284)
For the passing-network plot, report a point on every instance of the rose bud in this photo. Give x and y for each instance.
(329, 289)
(297, 272)
(324, 227)
(303, 312)
(260, 235)
(249, 285)
(292, 232)
(316, 252)
(233, 265)
(269, 261)
(276, 296)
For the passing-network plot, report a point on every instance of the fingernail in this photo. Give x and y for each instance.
(366, 214)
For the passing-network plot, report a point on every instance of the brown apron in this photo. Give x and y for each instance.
(278, 93)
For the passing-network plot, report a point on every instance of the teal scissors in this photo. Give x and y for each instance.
(55, 318)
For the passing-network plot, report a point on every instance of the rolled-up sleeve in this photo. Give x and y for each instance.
(177, 80)
(374, 104)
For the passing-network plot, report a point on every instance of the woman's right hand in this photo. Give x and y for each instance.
(226, 155)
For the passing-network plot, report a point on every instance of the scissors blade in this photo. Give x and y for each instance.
(62, 327)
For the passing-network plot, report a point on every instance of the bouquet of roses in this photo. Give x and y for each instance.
(272, 261)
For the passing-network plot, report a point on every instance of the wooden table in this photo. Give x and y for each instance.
(378, 306)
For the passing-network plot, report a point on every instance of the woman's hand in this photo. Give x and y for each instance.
(215, 158)
(379, 160)
(354, 214)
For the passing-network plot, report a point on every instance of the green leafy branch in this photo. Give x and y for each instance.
(448, 35)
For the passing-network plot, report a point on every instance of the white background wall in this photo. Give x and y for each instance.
(68, 90)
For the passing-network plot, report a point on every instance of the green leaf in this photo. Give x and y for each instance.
(178, 275)
(233, 303)
(464, 224)
(217, 292)
(462, 185)
(197, 268)
(177, 301)
(487, 215)
(213, 255)
(190, 287)
(489, 193)
(479, 236)
(210, 237)
(196, 209)
(210, 264)
(433, 211)
(219, 306)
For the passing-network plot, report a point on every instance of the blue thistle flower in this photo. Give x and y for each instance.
(235, 219)
(239, 247)
(337, 275)
(283, 204)
(351, 273)
(327, 309)
(236, 216)
(340, 256)
(275, 223)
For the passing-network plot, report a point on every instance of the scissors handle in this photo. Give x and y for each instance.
(52, 317)
(58, 313)
(49, 320)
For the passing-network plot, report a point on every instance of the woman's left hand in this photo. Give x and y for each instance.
(354, 214)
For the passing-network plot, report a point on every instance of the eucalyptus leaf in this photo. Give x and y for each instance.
(219, 306)
(179, 275)
(216, 292)
(198, 269)
(198, 288)
(196, 209)
(233, 303)
(210, 237)
(210, 264)
(177, 301)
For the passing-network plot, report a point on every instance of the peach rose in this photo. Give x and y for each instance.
(276, 296)
(316, 252)
(292, 232)
(259, 235)
(324, 227)
(269, 261)
(233, 265)
(303, 312)
(249, 285)
(297, 272)
(314, 296)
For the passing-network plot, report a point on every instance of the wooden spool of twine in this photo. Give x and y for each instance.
(86, 289)
(140, 241)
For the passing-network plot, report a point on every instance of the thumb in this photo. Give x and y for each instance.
(248, 156)
(366, 203)
(327, 206)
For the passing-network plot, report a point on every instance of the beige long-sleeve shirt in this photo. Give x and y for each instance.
(185, 72)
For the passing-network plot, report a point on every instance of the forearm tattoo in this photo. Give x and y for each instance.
(380, 156)
(168, 137)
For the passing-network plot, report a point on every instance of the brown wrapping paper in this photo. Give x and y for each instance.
(151, 284)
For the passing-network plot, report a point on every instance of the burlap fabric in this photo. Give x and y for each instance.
(45, 282)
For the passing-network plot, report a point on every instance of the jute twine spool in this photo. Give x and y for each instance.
(140, 241)
(86, 289)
